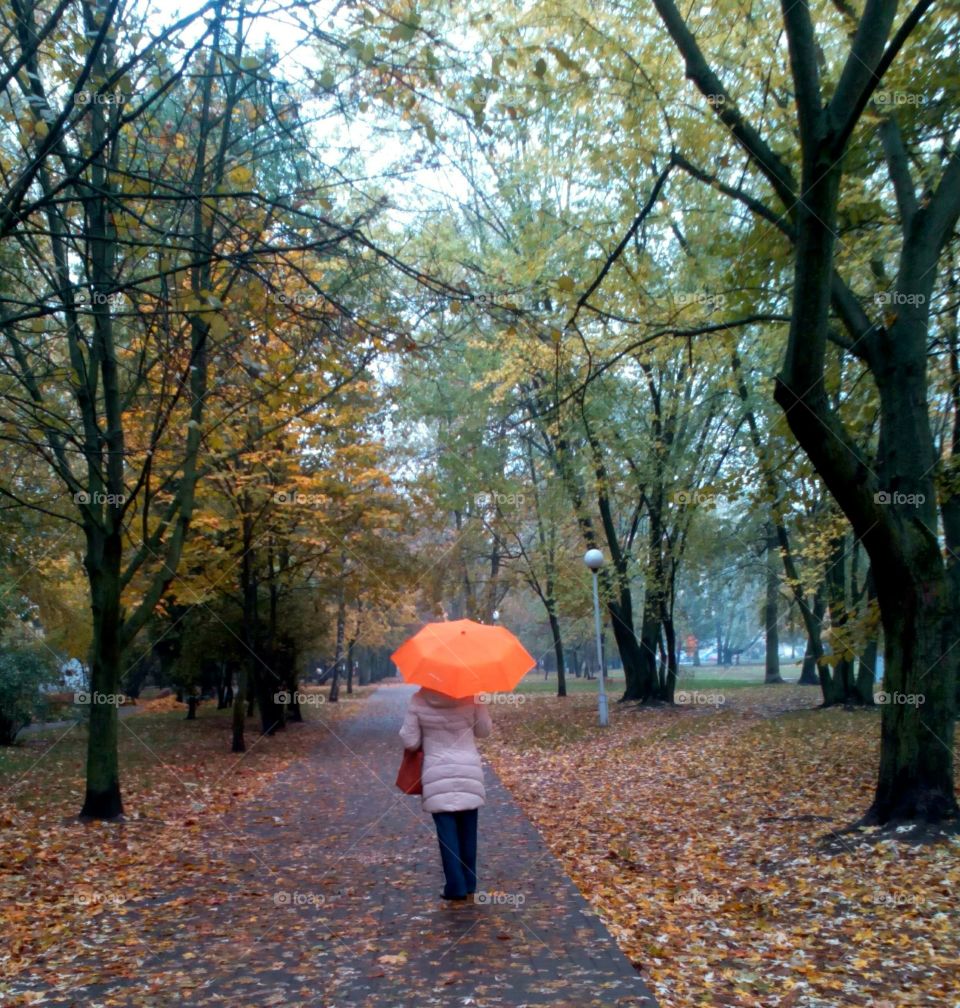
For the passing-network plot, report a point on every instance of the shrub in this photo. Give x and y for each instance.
(23, 671)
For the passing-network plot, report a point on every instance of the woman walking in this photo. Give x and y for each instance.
(452, 778)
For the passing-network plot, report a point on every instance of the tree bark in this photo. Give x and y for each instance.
(809, 671)
(771, 609)
(102, 799)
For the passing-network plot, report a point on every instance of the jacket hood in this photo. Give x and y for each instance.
(436, 699)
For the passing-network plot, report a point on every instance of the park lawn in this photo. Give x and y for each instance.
(705, 677)
(176, 776)
(695, 833)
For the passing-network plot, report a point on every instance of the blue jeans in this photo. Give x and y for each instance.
(457, 835)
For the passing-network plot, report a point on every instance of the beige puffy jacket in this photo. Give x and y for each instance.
(452, 771)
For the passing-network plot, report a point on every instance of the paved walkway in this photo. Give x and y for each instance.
(323, 891)
(39, 726)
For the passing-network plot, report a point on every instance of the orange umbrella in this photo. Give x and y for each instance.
(462, 658)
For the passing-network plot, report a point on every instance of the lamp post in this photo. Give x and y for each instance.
(593, 558)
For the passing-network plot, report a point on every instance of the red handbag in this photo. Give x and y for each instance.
(411, 769)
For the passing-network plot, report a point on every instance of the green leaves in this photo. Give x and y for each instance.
(406, 30)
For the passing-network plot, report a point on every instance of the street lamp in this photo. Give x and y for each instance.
(593, 558)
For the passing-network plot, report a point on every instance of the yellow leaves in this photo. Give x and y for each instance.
(27, 134)
(240, 176)
(393, 960)
(219, 327)
(703, 859)
(565, 284)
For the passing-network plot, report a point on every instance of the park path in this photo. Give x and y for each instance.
(323, 891)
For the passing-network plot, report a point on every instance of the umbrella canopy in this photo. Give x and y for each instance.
(462, 658)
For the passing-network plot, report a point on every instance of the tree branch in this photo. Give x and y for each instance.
(858, 82)
(618, 251)
(700, 72)
(898, 166)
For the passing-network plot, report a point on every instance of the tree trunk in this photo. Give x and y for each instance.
(639, 660)
(838, 688)
(670, 633)
(916, 755)
(238, 743)
(363, 676)
(771, 609)
(557, 649)
(334, 695)
(102, 799)
(809, 672)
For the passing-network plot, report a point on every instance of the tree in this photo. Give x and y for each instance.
(892, 507)
(131, 225)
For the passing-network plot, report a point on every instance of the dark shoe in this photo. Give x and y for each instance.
(458, 899)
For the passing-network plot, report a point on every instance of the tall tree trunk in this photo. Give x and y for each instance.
(838, 686)
(809, 671)
(771, 609)
(102, 798)
(238, 743)
(867, 666)
(670, 683)
(557, 649)
(334, 694)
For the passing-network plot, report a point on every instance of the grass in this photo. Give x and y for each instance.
(45, 770)
(690, 677)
